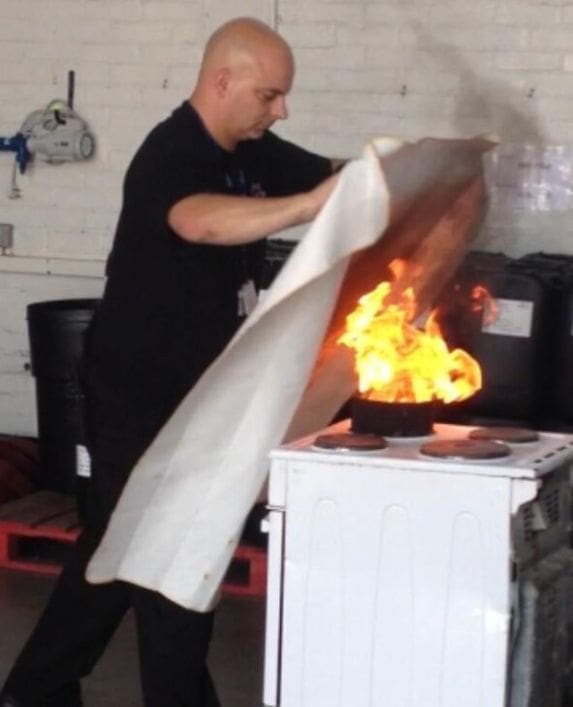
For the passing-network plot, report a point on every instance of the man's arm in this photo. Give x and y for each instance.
(231, 220)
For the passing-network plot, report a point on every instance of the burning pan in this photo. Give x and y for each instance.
(392, 419)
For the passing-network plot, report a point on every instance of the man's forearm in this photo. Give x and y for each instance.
(230, 220)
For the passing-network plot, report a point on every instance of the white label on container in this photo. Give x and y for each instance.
(514, 318)
(83, 462)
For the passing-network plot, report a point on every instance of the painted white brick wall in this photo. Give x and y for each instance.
(365, 67)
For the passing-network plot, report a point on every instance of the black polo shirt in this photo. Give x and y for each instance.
(170, 306)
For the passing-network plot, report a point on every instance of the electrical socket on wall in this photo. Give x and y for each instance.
(6, 236)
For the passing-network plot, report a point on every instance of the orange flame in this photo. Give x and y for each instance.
(482, 301)
(398, 362)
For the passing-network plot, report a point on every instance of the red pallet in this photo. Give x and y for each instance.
(247, 573)
(29, 524)
(41, 517)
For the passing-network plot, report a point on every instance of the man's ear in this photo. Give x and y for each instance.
(222, 79)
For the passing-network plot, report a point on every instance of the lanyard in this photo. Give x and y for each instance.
(237, 186)
(246, 294)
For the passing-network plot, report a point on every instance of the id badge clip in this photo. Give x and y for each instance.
(247, 298)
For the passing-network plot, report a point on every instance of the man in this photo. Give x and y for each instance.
(181, 277)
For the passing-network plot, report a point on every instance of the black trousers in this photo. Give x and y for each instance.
(80, 618)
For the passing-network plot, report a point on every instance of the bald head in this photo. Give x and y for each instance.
(242, 43)
(245, 75)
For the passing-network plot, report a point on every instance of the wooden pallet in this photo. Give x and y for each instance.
(32, 524)
(38, 530)
(247, 573)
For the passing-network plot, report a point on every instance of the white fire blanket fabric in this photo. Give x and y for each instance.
(180, 517)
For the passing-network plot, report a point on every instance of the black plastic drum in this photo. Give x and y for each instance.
(56, 332)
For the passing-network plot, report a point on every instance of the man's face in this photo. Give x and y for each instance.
(256, 95)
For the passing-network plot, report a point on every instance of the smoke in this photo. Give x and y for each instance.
(506, 111)
(529, 179)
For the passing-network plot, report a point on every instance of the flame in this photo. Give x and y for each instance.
(399, 362)
(482, 301)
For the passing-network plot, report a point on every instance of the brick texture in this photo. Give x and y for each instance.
(365, 67)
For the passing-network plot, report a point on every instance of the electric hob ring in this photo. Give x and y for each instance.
(511, 435)
(465, 449)
(349, 442)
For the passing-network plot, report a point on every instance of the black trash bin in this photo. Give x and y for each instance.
(277, 252)
(56, 332)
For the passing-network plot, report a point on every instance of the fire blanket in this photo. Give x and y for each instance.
(180, 516)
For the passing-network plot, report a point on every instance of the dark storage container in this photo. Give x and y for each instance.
(556, 272)
(277, 251)
(513, 351)
(56, 332)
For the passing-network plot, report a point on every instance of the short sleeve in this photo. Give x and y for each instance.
(291, 169)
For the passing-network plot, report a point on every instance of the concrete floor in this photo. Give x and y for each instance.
(236, 655)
